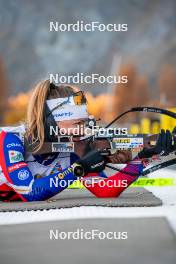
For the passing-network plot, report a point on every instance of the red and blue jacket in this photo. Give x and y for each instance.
(18, 182)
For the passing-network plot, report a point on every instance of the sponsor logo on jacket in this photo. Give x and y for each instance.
(15, 156)
(16, 166)
(23, 174)
(13, 145)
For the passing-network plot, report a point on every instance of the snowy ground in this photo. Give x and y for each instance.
(166, 194)
(151, 232)
(167, 210)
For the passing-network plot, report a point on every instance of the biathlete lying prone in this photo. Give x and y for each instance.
(28, 176)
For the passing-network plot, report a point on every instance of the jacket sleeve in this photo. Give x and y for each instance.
(115, 184)
(19, 176)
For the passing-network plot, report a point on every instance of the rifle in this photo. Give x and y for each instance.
(128, 142)
(133, 142)
(112, 143)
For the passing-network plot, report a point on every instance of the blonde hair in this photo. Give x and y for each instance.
(35, 114)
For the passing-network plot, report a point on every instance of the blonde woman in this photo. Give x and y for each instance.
(28, 176)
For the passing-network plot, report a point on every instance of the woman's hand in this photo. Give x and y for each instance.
(120, 157)
(93, 161)
(163, 147)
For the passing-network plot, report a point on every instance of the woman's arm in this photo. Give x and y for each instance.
(19, 176)
(114, 185)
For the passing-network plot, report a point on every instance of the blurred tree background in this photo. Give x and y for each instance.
(4, 91)
(136, 92)
(146, 53)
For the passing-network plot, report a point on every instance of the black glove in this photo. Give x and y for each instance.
(174, 137)
(163, 146)
(93, 161)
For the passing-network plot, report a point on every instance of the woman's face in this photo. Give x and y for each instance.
(70, 125)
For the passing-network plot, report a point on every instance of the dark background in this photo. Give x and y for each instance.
(29, 51)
